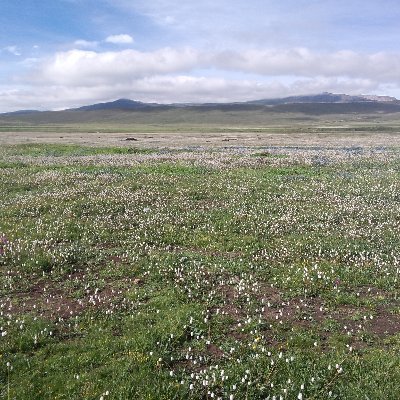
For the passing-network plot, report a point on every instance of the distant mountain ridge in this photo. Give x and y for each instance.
(127, 104)
(323, 103)
(326, 97)
(21, 112)
(120, 104)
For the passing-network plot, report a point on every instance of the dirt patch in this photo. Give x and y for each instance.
(228, 293)
(370, 291)
(384, 324)
(298, 310)
(266, 293)
(214, 351)
(351, 320)
(44, 300)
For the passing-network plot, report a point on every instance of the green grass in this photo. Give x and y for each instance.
(57, 150)
(180, 277)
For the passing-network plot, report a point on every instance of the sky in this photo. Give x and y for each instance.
(56, 54)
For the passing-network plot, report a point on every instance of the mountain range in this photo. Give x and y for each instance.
(125, 114)
(381, 103)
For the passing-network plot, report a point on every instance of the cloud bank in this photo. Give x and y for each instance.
(81, 67)
(79, 76)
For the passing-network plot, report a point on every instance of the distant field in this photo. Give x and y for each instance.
(204, 128)
(199, 139)
(285, 118)
(173, 268)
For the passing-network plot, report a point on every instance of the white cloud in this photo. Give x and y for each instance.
(170, 89)
(119, 39)
(78, 77)
(12, 50)
(85, 43)
(303, 62)
(30, 61)
(89, 68)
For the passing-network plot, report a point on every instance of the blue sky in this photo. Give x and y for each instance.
(63, 53)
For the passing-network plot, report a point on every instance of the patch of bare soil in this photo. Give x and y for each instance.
(46, 300)
(314, 313)
(385, 323)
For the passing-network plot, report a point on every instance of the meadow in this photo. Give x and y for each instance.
(237, 272)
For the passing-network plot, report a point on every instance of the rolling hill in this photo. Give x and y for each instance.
(122, 113)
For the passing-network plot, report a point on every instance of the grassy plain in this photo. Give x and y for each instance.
(179, 268)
